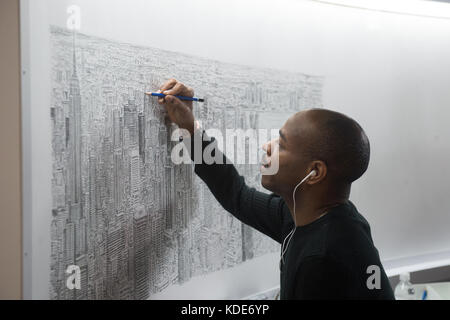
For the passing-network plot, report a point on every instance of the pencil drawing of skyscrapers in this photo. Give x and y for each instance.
(133, 221)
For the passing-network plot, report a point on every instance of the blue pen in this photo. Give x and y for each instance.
(161, 95)
(425, 294)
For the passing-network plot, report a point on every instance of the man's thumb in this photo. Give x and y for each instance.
(173, 105)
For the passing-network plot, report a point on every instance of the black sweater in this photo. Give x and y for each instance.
(326, 259)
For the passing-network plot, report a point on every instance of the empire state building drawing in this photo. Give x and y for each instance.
(74, 138)
(75, 233)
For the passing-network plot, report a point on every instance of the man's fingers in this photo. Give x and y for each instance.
(168, 85)
(176, 90)
(180, 89)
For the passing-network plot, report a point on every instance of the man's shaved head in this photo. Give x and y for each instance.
(339, 141)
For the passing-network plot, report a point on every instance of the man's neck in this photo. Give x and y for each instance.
(305, 215)
(309, 208)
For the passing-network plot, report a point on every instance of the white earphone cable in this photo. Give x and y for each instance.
(291, 234)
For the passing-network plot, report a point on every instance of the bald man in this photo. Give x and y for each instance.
(327, 251)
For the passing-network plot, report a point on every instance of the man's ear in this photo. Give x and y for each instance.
(320, 167)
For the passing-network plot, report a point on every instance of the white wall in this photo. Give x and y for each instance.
(389, 72)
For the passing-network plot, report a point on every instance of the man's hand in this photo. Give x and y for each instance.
(179, 111)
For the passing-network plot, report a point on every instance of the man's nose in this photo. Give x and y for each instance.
(267, 147)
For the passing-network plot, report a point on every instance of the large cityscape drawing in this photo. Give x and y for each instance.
(131, 220)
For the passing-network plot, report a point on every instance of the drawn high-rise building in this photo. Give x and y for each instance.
(130, 119)
(141, 254)
(74, 136)
(141, 130)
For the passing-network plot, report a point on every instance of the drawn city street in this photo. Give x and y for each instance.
(134, 222)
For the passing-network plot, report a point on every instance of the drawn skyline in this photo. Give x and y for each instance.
(134, 222)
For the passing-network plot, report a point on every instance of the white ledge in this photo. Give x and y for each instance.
(397, 266)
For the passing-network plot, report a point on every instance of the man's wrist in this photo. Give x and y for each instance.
(194, 130)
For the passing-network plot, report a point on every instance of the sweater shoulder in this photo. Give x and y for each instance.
(348, 234)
